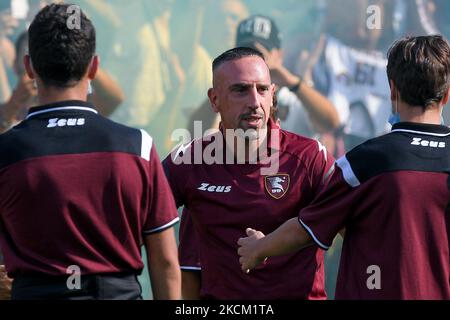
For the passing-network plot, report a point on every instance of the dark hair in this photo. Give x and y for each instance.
(60, 52)
(235, 54)
(420, 69)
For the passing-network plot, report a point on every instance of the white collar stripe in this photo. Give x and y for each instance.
(61, 108)
(423, 132)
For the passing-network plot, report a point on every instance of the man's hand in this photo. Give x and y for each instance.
(24, 92)
(18, 104)
(7, 23)
(5, 284)
(248, 250)
(274, 60)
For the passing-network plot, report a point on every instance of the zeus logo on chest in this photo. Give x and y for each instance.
(210, 188)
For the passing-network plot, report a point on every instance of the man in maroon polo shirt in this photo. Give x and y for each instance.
(80, 194)
(390, 193)
(239, 189)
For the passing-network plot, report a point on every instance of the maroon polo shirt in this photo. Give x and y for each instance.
(224, 199)
(79, 189)
(392, 196)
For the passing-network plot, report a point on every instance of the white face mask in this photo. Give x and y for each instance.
(90, 90)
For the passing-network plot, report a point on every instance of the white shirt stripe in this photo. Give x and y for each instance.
(423, 132)
(190, 268)
(61, 108)
(347, 171)
(167, 225)
(320, 244)
(146, 145)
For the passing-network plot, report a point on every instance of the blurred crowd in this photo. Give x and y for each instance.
(156, 60)
(156, 56)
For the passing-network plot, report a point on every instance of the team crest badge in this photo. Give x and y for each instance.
(277, 185)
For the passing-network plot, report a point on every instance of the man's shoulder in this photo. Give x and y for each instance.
(198, 144)
(8, 138)
(114, 126)
(33, 138)
(387, 149)
(125, 133)
(396, 151)
(369, 159)
(299, 146)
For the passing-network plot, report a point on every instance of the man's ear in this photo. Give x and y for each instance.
(212, 95)
(29, 66)
(93, 67)
(394, 93)
(273, 89)
(445, 98)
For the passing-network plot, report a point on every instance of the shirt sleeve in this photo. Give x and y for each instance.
(162, 211)
(177, 176)
(188, 248)
(320, 167)
(331, 209)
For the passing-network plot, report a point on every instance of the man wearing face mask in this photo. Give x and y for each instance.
(390, 193)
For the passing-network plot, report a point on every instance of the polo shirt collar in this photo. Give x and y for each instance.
(62, 106)
(422, 128)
